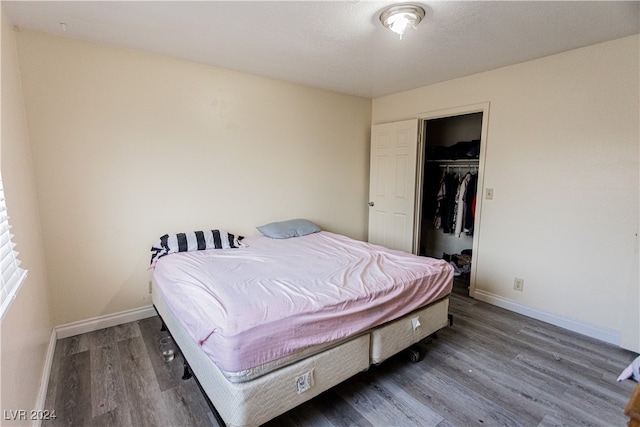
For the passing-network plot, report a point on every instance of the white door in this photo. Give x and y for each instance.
(392, 188)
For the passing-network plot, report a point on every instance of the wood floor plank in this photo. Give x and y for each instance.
(76, 344)
(478, 404)
(434, 390)
(56, 363)
(574, 376)
(595, 407)
(108, 392)
(73, 393)
(185, 408)
(168, 375)
(195, 402)
(126, 331)
(339, 411)
(101, 337)
(377, 405)
(146, 405)
(425, 416)
(594, 354)
(119, 416)
(302, 416)
(445, 423)
(563, 408)
(516, 400)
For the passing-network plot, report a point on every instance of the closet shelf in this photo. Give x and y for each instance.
(456, 161)
(457, 164)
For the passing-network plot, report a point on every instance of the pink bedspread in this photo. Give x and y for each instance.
(249, 306)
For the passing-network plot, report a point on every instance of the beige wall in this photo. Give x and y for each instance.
(26, 328)
(128, 146)
(562, 157)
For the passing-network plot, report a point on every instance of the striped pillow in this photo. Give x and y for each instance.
(193, 241)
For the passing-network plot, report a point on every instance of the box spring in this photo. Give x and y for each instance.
(395, 336)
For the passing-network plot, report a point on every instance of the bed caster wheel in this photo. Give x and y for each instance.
(414, 354)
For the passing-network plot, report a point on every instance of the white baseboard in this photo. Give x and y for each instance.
(101, 322)
(606, 335)
(46, 374)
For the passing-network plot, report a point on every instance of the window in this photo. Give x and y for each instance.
(12, 275)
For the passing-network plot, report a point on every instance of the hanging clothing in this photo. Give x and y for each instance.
(460, 218)
(444, 218)
(448, 204)
(455, 203)
(432, 183)
(470, 204)
(442, 189)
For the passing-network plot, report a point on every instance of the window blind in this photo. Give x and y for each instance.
(12, 275)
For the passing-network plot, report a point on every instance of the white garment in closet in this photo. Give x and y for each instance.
(460, 203)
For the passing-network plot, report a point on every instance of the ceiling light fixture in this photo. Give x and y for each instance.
(402, 16)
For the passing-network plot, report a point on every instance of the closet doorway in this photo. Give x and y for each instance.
(401, 188)
(449, 187)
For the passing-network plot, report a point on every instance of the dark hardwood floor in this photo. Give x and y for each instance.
(491, 368)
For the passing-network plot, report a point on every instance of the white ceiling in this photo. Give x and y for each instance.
(338, 45)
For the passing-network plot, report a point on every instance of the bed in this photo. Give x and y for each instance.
(270, 323)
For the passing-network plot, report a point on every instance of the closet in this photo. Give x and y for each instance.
(449, 167)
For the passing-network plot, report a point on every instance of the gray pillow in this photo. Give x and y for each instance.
(287, 229)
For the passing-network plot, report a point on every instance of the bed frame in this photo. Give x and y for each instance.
(257, 401)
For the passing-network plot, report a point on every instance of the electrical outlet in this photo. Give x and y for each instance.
(489, 194)
(149, 286)
(518, 284)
